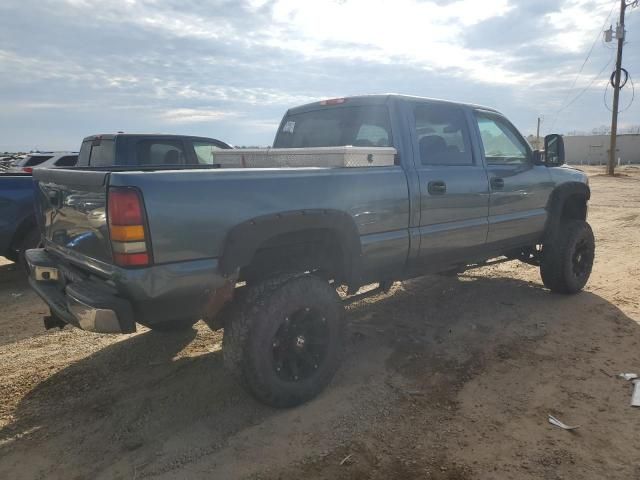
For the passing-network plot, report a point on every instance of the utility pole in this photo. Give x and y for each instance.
(620, 34)
(538, 135)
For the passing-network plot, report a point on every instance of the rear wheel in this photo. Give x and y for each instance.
(567, 261)
(284, 339)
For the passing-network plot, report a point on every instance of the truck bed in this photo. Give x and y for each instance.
(212, 201)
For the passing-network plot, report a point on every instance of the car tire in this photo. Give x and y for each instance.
(567, 261)
(284, 338)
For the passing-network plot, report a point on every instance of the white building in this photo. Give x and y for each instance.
(594, 149)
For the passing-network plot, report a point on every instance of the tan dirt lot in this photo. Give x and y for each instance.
(445, 378)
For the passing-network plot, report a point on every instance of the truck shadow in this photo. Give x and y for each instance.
(140, 396)
(11, 277)
(21, 309)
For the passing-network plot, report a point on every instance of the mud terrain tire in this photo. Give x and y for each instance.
(567, 262)
(284, 338)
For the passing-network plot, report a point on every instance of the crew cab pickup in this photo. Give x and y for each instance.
(261, 251)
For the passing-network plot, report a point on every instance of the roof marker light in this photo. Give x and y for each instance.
(333, 101)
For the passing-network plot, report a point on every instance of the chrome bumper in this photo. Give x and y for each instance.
(85, 303)
(93, 319)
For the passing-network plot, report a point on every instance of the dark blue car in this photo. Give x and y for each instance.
(18, 229)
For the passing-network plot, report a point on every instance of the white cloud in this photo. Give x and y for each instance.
(577, 25)
(424, 34)
(230, 69)
(192, 115)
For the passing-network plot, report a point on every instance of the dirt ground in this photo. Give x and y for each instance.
(445, 378)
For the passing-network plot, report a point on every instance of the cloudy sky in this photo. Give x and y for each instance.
(229, 69)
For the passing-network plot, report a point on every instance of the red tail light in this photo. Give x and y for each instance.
(125, 207)
(131, 259)
(129, 239)
(27, 169)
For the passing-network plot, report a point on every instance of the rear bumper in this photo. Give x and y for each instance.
(89, 304)
(112, 302)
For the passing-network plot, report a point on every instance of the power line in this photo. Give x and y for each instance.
(586, 88)
(598, 36)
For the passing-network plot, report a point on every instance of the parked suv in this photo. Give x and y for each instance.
(44, 160)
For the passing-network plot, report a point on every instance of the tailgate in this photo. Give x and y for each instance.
(71, 208)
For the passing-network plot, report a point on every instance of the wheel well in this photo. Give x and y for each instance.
(567, 202)
(574, 207)
(317, 249)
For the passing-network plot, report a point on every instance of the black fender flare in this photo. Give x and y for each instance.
(556, 202)
(244, 240)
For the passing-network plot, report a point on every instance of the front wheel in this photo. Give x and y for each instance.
(567, 261)
(284, 339)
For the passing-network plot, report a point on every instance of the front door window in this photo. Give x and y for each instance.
(501, 144)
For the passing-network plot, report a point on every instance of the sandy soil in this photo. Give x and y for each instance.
(445, 378)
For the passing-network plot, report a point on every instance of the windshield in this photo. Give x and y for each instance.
(358, 126)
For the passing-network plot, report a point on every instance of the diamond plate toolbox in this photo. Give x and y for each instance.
(321, 157)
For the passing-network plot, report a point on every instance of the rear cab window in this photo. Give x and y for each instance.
(361, 126)
(159, 152)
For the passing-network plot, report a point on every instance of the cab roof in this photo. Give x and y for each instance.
(111, 136)
(378, 99)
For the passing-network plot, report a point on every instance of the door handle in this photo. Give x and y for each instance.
(497, 183)
(437, 187)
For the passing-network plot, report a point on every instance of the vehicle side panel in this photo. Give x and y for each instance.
(190, 213)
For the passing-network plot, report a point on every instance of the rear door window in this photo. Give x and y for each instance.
(443, 136)
(338, 126)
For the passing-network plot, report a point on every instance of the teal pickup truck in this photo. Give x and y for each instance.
(261, 251)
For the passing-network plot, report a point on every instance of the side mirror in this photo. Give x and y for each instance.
(554, 150)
